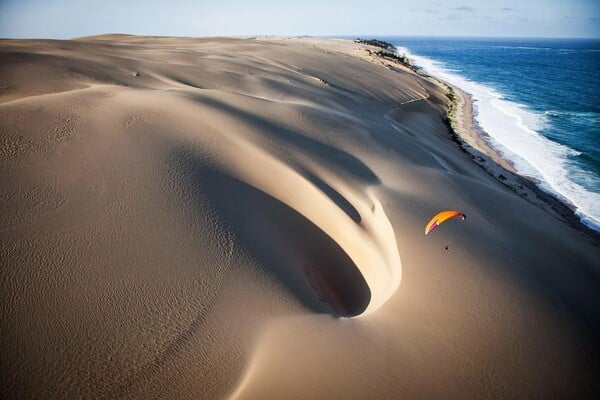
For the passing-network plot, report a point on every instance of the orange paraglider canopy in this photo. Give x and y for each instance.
(442, 217)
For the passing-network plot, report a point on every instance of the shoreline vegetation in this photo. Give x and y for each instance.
(473, 140)
(388, 52)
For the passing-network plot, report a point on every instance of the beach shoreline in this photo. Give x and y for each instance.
(474, 140)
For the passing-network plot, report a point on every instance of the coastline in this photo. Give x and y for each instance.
(475, 141)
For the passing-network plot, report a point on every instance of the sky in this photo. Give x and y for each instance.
(64, 19)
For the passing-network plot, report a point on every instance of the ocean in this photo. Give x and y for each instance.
(537, 99)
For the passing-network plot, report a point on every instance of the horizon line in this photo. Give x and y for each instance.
(341, 36)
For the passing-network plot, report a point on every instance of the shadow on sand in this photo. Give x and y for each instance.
(309, 263)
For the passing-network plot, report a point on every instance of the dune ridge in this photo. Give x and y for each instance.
(193, 218)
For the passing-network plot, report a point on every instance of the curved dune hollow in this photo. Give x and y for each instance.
(334, 255)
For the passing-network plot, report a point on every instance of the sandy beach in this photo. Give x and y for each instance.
(243, 218)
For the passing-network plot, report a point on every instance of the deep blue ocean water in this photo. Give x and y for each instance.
(538, 100)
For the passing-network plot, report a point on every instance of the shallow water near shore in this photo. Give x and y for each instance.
(537, 99)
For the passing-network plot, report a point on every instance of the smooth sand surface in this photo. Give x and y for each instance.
(196, 218)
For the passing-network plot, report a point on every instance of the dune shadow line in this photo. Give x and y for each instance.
(309, 263)
(327, 154)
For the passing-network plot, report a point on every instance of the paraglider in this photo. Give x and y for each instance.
(442, 217)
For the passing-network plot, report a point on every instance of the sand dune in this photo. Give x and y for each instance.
(196, 218)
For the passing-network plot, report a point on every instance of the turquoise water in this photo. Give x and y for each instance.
(538, 100)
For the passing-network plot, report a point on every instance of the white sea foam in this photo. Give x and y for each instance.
(589, 115)
(524, 47)
(513, 129)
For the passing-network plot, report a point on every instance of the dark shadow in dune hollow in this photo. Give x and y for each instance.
(329, 155)
(335, 196)
(309, 263)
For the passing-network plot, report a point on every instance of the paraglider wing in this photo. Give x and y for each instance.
(440, 218)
